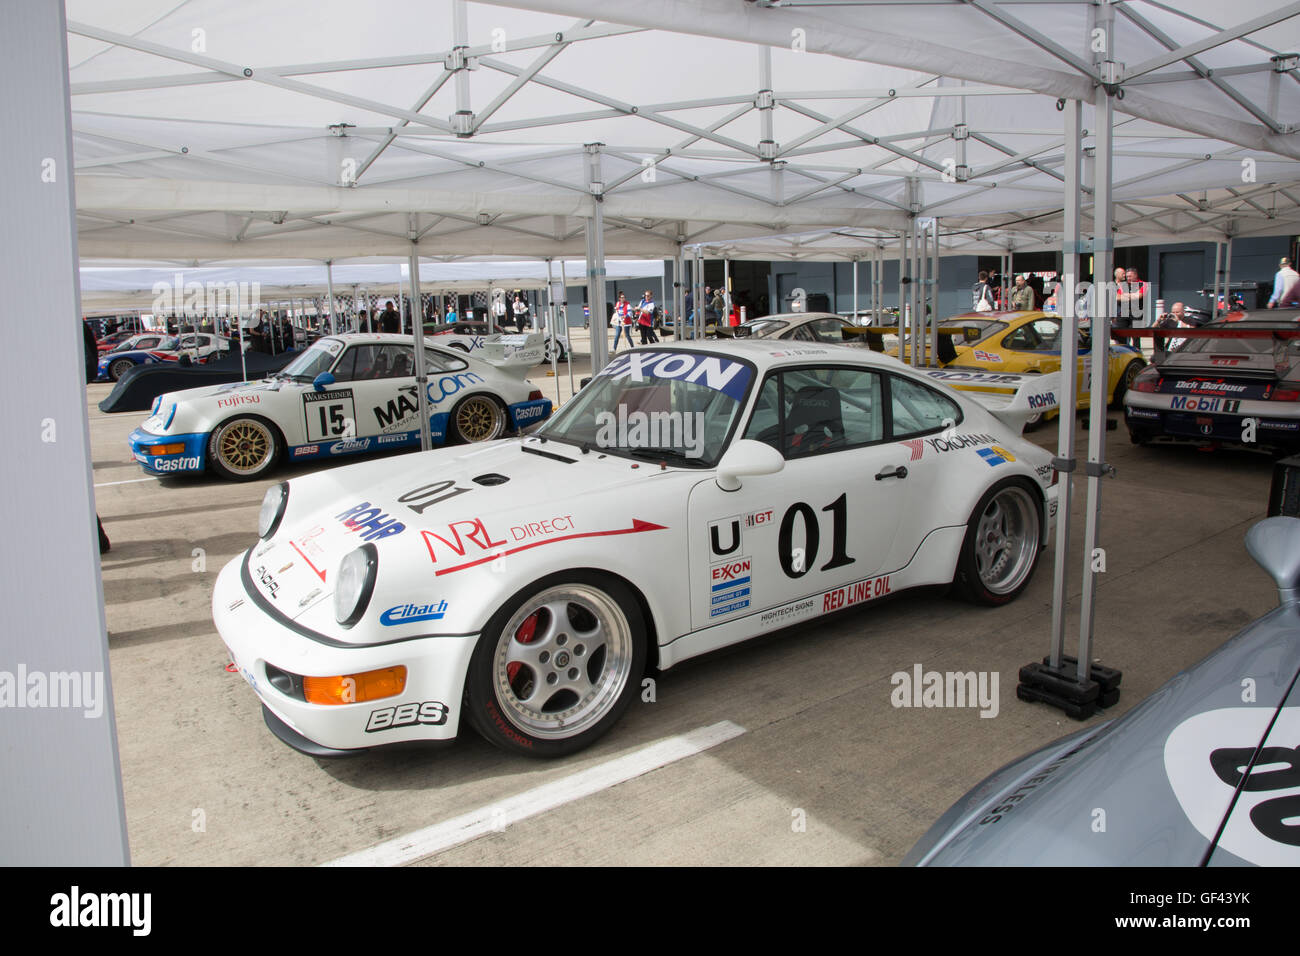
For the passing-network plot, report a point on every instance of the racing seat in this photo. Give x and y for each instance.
(380, 368)
(402, 366)
(814, 422)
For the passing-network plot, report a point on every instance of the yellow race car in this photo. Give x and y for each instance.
(1028, 342)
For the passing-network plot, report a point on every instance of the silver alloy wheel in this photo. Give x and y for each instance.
(245, 446)
(120, 368)
(562, 661)
(1006, 540)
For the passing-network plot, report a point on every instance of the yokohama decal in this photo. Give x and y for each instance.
(638, 526)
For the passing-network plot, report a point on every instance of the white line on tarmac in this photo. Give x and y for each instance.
(129, 481)
(530, 803)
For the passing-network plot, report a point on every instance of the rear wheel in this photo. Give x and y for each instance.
(1001, 548)
(556, 667)
(243, 449)
(477, 418)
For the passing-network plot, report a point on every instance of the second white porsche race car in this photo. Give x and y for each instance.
(346, 395)
(690, 497)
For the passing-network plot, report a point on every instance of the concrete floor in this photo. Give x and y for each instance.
(207, 784)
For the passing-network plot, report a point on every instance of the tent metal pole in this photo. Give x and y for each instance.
(902, 296)
(700, 304)
(1103, 304)
(596, 259)
(564, 309)
(1227, 276)
(550, 330)
(934, 296)
(917, 323)
(726, 291)
(1066, 298)
(329, 288)
(421, 371)
(1218, 279)
(923, 292)
(679, 293)
(855, 290)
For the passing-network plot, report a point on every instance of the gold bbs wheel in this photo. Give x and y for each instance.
(243, 448)
(478, 418)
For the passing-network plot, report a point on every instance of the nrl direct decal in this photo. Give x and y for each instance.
(371, 521)
(712, 371)
(455, 543)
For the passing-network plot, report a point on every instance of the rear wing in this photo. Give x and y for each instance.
(1012, 399)
(515, 354)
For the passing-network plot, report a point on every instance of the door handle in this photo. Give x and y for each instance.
(899, 472)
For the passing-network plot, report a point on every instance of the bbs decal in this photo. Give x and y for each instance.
(431, 713)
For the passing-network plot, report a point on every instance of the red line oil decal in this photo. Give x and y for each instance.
(479, 536)
(858, 593)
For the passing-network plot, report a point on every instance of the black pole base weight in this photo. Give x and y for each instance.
(1060, 687)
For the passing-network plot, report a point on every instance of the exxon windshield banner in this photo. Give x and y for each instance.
(712, 371)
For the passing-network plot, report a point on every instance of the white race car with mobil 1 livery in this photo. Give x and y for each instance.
(690, 497)
(346, 395)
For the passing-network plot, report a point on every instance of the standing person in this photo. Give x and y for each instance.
(389, 320)
(1128, 303)
(1022, 296)
(521, 313)
(982, 294)
(499, 310)
(1286, 287)
(1176, 319)
(719, 305)
(710, 313)
(646, 319)
(622, 321)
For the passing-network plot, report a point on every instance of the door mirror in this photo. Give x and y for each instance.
(323, 381)
(747, 457)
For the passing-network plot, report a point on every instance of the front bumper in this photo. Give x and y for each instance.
(263, 649)
(192, 459)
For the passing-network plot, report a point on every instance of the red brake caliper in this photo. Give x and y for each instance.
(525, 635)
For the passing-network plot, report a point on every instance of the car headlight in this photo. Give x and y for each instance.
(273, 505)
(355, 583)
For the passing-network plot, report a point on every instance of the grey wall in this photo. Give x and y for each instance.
(60, 785)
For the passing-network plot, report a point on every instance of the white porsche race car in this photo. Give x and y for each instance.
(690, 497)
(345, 395)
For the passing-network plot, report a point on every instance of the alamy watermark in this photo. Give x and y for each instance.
(922, 688)
(211, 299)
(680, 432)
(67, 690)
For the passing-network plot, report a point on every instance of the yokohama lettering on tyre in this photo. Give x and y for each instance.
(558, 664)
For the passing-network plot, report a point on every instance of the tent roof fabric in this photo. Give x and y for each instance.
(214, 130)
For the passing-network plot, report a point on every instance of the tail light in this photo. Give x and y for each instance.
(1285, 392)
(535, 395)
(1148, 380)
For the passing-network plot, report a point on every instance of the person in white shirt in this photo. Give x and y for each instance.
(1286, 287)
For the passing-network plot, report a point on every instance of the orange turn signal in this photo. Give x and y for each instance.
(355, 688)
(175, 449)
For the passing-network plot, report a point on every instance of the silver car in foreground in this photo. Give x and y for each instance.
(1204, 772)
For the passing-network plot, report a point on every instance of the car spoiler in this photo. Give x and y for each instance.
(1012, 399)
(515, 354)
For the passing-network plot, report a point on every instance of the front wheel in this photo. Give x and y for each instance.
(477, 418)
(119, 368)
(556, 668)
(1001, 548)
(243, 449)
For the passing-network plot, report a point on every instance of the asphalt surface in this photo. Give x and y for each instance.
(826, 770)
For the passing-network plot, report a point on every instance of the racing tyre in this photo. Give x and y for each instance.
(557, 666)
(245, 448)
(119, 368)
(1126, 382)
(562, 356)
(1001, 548)
(477, 418)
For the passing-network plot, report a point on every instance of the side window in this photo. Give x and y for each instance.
(804, 333)
(438, 361)
(918, 409)
(829, 331)
(805, 412)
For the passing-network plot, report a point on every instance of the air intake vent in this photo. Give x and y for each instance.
(491, 479)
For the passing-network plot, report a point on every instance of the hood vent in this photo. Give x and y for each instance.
(492, 478)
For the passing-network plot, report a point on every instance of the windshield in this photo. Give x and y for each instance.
(984, 327)
(760, 327)
(1284, 351)
(674, 407)
(319, 358)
